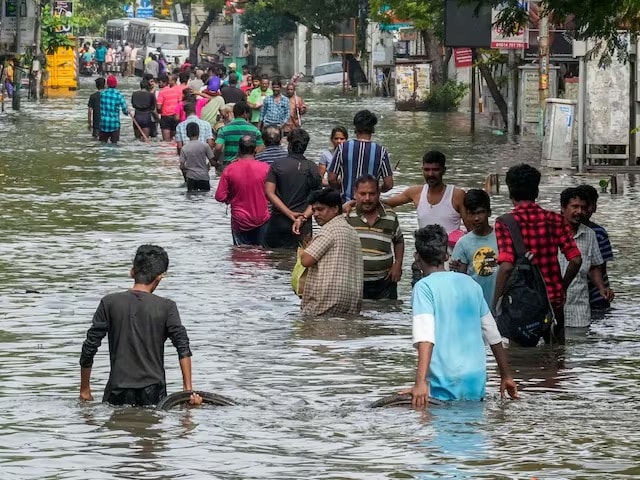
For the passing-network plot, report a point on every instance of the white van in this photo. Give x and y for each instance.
(330, 73)
(149, 34)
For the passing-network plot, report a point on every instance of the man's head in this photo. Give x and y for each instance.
(193, 130)
(573, 203)
(256, 81)
(184, 77)
(431, 245)
(176, 60)
(298, 141)
(163, 80)
(326, 205)
(264, 83)
(173, 80)
(242, 110)
(434, 167)
(592, 194)
(478, 207)
(247, 146)
(290, 91)
(149, 264)
(226, 112)
(367, 193)
(112, 81)
(232, 67)
(189, 108)
(365, 122)
(524, 182)
(100, 81)
(271, 135)
(276, 86)
(233, 79)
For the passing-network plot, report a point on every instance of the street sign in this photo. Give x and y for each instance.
(505, 41)
(63, 9)
(128, 11)
(144, 12)
(463, 57)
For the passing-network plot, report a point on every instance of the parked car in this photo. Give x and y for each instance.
(330, 73)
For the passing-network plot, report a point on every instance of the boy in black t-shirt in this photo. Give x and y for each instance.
(138, 324)
(93, 116)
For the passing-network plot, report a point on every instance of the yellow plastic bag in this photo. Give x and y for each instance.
(298, 275)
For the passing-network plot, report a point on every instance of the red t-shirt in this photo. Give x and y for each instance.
(242, 185)
(168, 99)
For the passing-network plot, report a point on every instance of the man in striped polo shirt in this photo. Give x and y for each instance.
(381, 239)
(360, 156)
(229, 136)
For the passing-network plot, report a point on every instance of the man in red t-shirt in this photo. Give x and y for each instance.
(242, 185)
(543, 233)
(168, 99)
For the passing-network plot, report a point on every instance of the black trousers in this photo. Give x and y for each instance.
(383, 289)
(198, 185)
(137, 397)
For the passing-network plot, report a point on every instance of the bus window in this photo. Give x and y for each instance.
(169, 41)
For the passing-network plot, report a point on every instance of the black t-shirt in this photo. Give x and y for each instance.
(295, 178)
(138, 325)
(94, 105)
(232, 94)
(143, 101)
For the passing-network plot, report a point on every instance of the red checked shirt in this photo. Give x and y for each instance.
(543, 233)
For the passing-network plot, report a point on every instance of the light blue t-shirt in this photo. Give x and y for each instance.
(458, 369)
(481, 256)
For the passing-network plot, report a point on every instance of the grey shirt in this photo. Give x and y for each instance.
(194, 159)
(153, 68)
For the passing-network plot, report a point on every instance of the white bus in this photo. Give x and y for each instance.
(117, 29)
(149, 34)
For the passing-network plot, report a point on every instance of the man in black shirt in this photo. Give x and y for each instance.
(289, 182)
(138, 324)
(93, 113)
(231, 93)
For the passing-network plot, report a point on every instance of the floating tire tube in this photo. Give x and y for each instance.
(400, 399)
(178, 398)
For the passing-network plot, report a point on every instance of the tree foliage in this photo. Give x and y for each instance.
(97, 12)
(52, 35)
(265, 25)
(424, 14)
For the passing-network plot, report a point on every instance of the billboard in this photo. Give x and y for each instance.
(463, 28)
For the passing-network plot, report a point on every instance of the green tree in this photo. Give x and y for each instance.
(51, 25)
(213, 9)
(265, 25)
(97, 12)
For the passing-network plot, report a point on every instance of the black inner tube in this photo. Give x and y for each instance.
(398, 400)
(178, 398)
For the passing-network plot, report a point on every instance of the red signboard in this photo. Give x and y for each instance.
(463, 57)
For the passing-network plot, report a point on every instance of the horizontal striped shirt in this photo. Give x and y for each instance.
(229, 137)
(355, 158)
(377, 241)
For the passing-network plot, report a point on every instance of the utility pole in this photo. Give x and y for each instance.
(543, 63)
(17, 72)
(511, 95)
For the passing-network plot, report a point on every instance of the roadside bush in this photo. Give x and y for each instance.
(446, 97)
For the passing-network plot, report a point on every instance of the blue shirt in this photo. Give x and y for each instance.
(101, 53)
(205, 133)
(598, 302)
(111, 102)
(450, 307)
(274, 113)
(480, 254)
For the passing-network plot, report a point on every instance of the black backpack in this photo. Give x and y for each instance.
(524, 313)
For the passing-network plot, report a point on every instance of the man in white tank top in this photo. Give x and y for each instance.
(436, 203)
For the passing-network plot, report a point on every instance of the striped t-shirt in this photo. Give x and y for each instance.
(355, 158)
(229, 136)
(377, 241)
(598, 302)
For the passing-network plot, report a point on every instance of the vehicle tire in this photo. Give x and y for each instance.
(399, 400)
(178, 398)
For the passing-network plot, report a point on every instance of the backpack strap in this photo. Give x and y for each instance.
(516, 234)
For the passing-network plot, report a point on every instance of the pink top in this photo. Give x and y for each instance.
(200, 103)
(242, 185)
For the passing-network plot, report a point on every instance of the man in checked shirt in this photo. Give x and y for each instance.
(111, 102)
(543, 233)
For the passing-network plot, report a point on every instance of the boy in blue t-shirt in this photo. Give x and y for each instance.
(450, 319)
(476, 254)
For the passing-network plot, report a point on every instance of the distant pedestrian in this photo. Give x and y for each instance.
(275, 110)
(231, 93)
(195, 160)
(144, 103)
(101, 56)
(242, 186)
(168, 99)
(111, 103)
(339, 135)
(205, 134)
(257, 97)
(297, 108)
(273, 150)
(133, 58)
(152, 66)
(94, 108)
(227, 141)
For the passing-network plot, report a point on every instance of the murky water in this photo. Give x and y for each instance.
(72, 214)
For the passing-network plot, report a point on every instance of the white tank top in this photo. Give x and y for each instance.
(441, 214)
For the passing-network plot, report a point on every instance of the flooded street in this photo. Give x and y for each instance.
(72, 215)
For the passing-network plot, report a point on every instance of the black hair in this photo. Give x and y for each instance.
(184, 77)
(144, 84)
(326, 196)
(247, 145)
(193, 130)
(149, 262)
(431, 244)
(570, 193)
(524, 182)
(164, 78)
(271, 135)
(277, 82)
(339, 129)
(590, 192)
(298, 140)
(365, 122)
(264, 76)
(367, 178)
(475, 199)
(233, 79)
(189, 108)
(434, 156)
(240, 109)
(147, 76)
(100, 82)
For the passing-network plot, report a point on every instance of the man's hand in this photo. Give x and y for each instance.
(298, 221)
(195, 399)
(607, 293)
(456, 266)
(507, 384)
(395, 274)
(85, 395)
(419, 394)
(347, 207)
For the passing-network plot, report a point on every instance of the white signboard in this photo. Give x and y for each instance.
(504, 41)
(27, 11)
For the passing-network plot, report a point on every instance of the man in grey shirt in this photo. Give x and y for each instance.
(195, 161)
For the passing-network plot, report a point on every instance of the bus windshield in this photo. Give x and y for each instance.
(169, 41)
